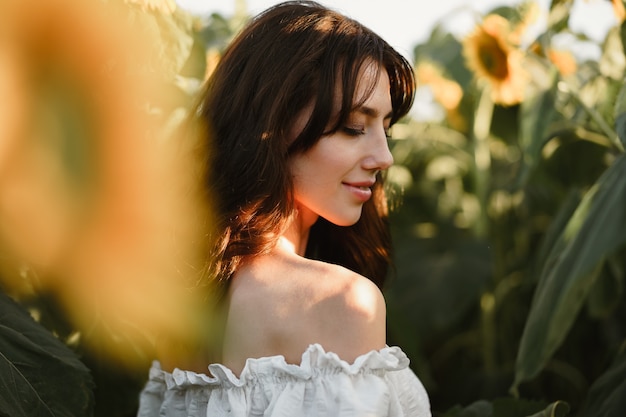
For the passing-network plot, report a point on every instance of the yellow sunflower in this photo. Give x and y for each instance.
(495, 60)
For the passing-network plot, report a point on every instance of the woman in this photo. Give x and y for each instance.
(298, 111)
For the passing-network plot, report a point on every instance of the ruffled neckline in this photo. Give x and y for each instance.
(315, 361)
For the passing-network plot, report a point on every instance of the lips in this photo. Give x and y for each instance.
(361, 190)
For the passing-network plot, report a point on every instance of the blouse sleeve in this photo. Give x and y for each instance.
(377, 384)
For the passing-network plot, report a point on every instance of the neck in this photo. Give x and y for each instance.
(296, 236)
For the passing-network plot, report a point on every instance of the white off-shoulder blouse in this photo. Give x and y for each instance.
(378, 383)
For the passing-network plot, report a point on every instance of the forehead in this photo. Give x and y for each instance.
(373, 89)
(369, 75)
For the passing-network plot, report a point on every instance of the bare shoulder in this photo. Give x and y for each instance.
(352, 296)
(352, 314)
(281, 305)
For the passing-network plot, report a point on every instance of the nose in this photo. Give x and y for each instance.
(380, 157)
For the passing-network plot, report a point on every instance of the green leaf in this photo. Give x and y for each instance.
(612, 62)
(607, 395)
(515, 407)
(606, 293)
(560, 11)
(512, 14)
(40, 375)
(596, 230)
(620, 115)
(556, 227)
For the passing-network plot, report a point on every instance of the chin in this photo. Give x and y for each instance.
(345, 221)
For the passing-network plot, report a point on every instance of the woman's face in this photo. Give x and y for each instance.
(333, 179)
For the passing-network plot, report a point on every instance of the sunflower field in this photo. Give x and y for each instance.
(508, 208)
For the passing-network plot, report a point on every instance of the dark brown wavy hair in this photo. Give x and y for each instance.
(293, 55)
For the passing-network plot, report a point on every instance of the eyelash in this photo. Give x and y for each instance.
(351, 131)
(356, 132)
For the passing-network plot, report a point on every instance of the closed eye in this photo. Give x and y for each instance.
(352, 131)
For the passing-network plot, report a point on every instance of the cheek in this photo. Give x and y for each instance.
(310, 179)
(331, 155)
(324, 163)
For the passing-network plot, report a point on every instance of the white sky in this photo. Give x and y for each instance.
(404, 23)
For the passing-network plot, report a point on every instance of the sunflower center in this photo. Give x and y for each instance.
(494, 59)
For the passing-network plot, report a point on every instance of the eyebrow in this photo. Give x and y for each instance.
(371, 112)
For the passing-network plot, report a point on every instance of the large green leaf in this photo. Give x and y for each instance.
(555, 229)
(40, 376)
(607, 396)
(606, 293)
(596, 230)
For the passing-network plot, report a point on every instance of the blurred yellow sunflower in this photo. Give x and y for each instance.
(495, 60)
(446, 92)
(564, 61)
(106, 214)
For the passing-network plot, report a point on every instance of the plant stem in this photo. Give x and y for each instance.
(488, 327)
(482, 159)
